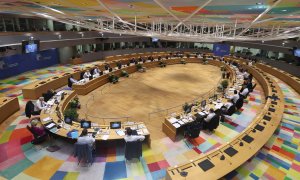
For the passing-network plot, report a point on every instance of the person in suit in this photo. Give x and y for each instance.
(40, 104)
(235, 97)
(130, 138)
(96, 70)
(84, 138)
(244, 91)
(71, 81)
(87, 74)
(210, 115)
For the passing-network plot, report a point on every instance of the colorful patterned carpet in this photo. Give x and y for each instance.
(19, 159)
(280, 157)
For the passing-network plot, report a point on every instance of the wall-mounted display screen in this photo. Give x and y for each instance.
(297, 52)
(155, 39)
(30, 46)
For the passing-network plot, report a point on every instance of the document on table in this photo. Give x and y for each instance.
(139, 132)
(50, 125)
(145, 131)
(105, 137)
(176, 125)
(46, 119)
(172, 120)
(180, 122)
(120, 132)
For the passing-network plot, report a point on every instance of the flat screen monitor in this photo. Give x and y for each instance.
(297, 52)
(85, 124)
(203, 103)
(115, 125)
(155, 39)
(30, 46)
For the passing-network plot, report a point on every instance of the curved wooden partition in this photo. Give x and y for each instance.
(8, 106)
(36, 89)
(231, 155)
(291, 80)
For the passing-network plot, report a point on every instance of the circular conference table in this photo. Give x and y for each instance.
(51, 117)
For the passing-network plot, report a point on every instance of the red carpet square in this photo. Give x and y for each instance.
(153, 167)
(163, 164)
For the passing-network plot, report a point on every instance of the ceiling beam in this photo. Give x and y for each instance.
(260, 16)
(191, 15)
(168, 11)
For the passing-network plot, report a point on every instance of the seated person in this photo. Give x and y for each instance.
(84, 138)
(226, 106)
(36, 129)
(207, 120)
(96, 70)
(119, 64)
(210, 115)
(106, 66)
(50, 93)
(244, 91)
(235, 97)
(40, 104)
(249, 85)
(87, 74)
(130, 138)
(245, 74)
(71, 81)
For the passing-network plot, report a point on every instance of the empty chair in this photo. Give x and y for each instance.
(83, 152)
(133, 149)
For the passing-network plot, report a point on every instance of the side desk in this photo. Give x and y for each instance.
(8, 106)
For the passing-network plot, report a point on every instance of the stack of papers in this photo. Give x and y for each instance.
(180, 122)
(145, 131)
(105, 137)
(139, 132)
(46, 119)
(173, 120)
(120, 132)
(49, 126)
(176, 125)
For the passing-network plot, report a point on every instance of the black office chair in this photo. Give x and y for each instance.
(193, 129)
(81, 75)
(239, 103)
(29, 109)
(133, 150)
(231, 110)
(69, 83)
(251, 90)
(213, 123)
(83, 152)
(37, 139)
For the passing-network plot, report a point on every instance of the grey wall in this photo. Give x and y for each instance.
(65, 54)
